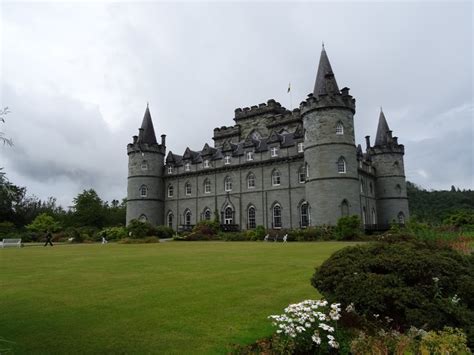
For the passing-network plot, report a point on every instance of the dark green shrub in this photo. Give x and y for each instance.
(137, 229)
(164, 232)
(313, 234)
(234, 236)
(145, 240)
(414, 283)
(74, 235)
(460, 218)
(113, 233)
(260, 233)
(7, 228)
(348, 228)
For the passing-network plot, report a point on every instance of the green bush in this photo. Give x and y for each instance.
(460, 218)
(164, 232)
(113, 233)
(137, 229)
(7, 229)
(348, 228)
(413, 283)
(260, 233)
(234, 236)
(314, 233)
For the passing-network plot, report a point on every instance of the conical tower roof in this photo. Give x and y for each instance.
(382, 130)
(325, 79)
(148, 135)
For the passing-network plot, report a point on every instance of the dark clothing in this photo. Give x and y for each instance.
(49, 237)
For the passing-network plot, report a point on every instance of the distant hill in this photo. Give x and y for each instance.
(434, 206)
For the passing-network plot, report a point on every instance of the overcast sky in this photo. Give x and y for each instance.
(77, 76)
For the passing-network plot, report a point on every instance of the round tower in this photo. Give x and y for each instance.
(390, 187)
(145, 189)
(332, 185)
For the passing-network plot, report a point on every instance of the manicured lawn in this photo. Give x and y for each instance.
(173, 297)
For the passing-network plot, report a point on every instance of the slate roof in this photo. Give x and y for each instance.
(325, 79)
(148, 133)
(382, 130)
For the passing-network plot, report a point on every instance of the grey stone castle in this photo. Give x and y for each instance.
(273, 167)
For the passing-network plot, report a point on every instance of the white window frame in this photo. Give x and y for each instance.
(300, 147)
(228, 184)
(187, 167)
(143, 191)
(302, 175)
(169, 219)
(227, 160)
(188, 189)
(251, 177)
(340, 129)
(276, 178)
(341, 165)
(206, 163)
(187, 217)
(251, 220)
(303, 206)
(170, 170)
(276, 218)
(249, 156)
(274, 152)
(207, 186)
(170, 191)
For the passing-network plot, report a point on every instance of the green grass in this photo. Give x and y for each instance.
(171, 297)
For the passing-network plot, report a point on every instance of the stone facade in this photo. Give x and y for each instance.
(273, 167)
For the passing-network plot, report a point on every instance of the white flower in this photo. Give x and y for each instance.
(350, 308)
(316, 339)
(307, 325)
(334, 344)
(435, 279)
(455, 299)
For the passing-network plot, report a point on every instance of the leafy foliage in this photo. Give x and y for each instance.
(348, 228)
(412, 283)
(43, 223)
(137, 229)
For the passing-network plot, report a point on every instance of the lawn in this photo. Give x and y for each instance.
(173, 297)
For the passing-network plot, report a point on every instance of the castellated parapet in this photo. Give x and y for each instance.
(274, 167)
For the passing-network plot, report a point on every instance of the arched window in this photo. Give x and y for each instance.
(364, 215)
(344, 208)
(250, 181)
(170, 191)
(339, 129)
(228, 215)
(143, 218)
(401, 218)
(374, 216)
(276, 214)
(207, 214)
(144, 165)
(187, 189)
(276, 179)
(251, 221)
(207, 186)
(306, 168)
(187, 217)
(228, 184)
(143, 191)
(396, 165)
(361, 186)
(304, 215)
(170, 219)
(341, 165)
(371, 188)
(302, 175)
(398, 189)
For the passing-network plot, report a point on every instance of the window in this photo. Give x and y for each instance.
(228, 184)
(170, 191)
(252, 224)
(364, 215)
(143, 191)
(344, 208)
(143, 218)
(227, 160)
(274, 151)
(249, 156)
(401, 218)
(277, 216)
(304, 215)
(251, 181)
(170, 170)
(398, 189)
(187, 217)
(187, 188)
(300, 147)
(371, 188)
(302, 175)
(374, 217)
(207, 186)
(187, 167)
(339, 129)
(228, 215)
(361, 186)
(170, 220)
(306, 168)
(276, 178)
(207, 214)
(206, 163)
(144, 165)
(341, 166)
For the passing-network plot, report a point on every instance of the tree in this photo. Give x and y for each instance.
(88, 210)
(43, 223)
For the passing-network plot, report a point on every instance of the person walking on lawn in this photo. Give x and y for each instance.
(49, 238)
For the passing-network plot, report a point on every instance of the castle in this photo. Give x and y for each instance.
(273, 167)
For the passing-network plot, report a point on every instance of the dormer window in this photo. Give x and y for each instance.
(339, 129)
(300, 147)
(170, 170)
(187, 167)
(206, 163)
(144, 165)
(274, 152)
(227, 160)
(249, 156)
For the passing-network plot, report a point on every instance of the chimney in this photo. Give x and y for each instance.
(135, 139)
(163, 140)
(367, 142)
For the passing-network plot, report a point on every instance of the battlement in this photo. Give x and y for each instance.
(226, 132)
(343, 100)
(271, 106)
(145, 148)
